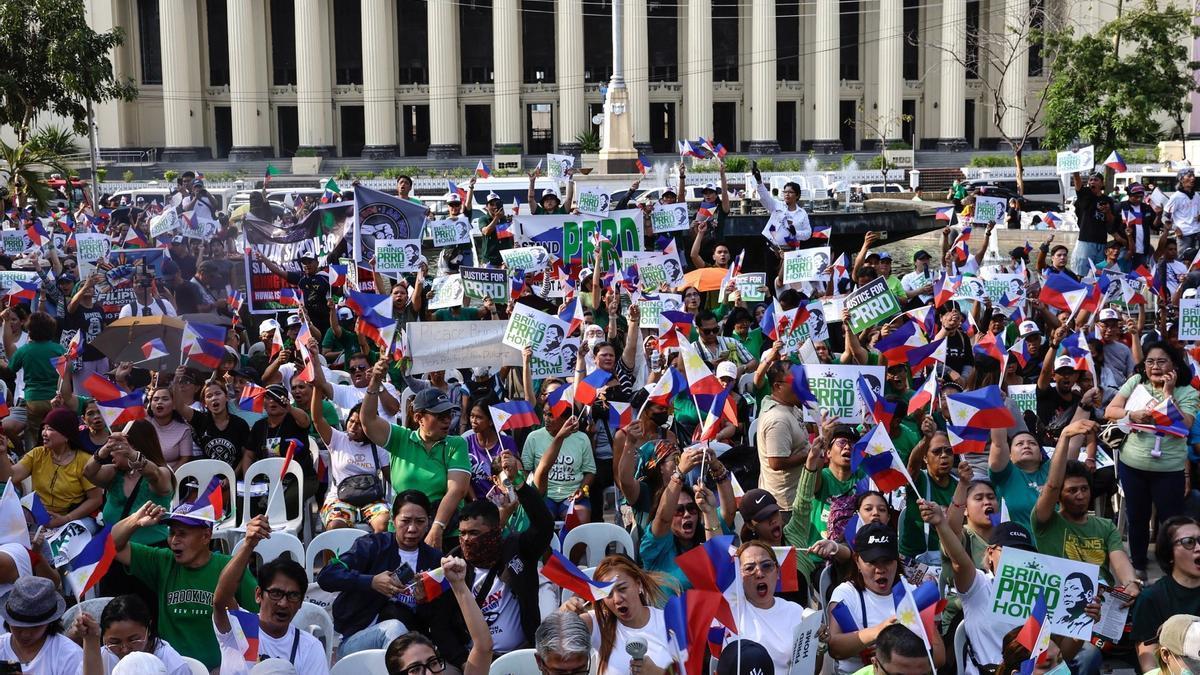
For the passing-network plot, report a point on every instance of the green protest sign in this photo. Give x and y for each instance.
(1067, 586)
(990, 210)
(527, 258)
(397, 255)
(450, 232)
(593, 202)
(569, 237)
(871, 304)
(669, 218)
(1189, 319)
(836, 389)
(751, 286)
(482, 283)
(1024, 396)
(14, 242)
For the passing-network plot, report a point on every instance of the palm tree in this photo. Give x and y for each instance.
(21, 174)
(55, 140)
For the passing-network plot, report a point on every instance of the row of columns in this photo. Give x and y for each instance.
(249, 79)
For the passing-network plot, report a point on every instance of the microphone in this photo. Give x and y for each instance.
(636, 648)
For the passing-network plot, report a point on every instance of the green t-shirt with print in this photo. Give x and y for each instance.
(830, 487)
(1090, 541)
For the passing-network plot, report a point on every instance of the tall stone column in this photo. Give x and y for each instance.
(826, 66)
(951, 122)
(314, 77)
(763, 83)
(1015, 86)
(250, 109)
(637, 71)
(182, 88)
(572, 110)
(111, 117)
(445, 139)
(889, 105)
(379, 78)
(506, 64)
(698, 96)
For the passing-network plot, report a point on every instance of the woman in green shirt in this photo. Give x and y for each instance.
(33, 358)
(131, 470)
(1152, 467)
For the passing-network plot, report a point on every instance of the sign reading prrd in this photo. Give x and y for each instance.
(1024, 396)
(13, 241)
(446, 292)
(482, 283)
(810, 264)
(527, 327)
(669, 218)
(527, 258)
(871, 304)
(836, 389)
(751, 286)
(450, 231)
(989, 210)
(1083, 159)
(594, 202)
(1189, 319)
(397, 255)
(1068, 586)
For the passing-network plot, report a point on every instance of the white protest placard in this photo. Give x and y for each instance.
(1114, 610)
(90, 247)
(557, 165)
(594, 202)
(167, 221)
(752, 286)
(528, 327)
(996, 286)
(1083, 159)
(669, 218)
(656, 269)
(810, 264)
(652, 306)
(13, 241)
(1189, 319)
(805, 644)
(397, 255)
(1103, 459)
(194, 228)
(449, 231)
(1068, 586)
(835, 387)
(1024, 396)
(1158, 198)
(447, 291)
(66, 542)
(7, 277)
(443, 345)
(815, 328)
(833, 308)
(989, 210)
(971, 289)
(780, 229)
(561, 364)
(482, 283)
(527, 258)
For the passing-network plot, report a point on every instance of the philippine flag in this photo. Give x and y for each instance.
(204, 344)
(876, 406)
(375, 316)
(289, 297)
(559, 401)
(1020, 351)
(462, 194)
(968, 440)
(620, 415)
(896, 345)
(711, 566)
(880, 460)
(703, 385)
(433, 584)
(588, 389)
(516, 414)
(907, 613)
(154, 349)
(688, 618)
(1035, 634)
(643, 164)
(210, 505)
(482, 170)
(927, 355)
(244, 626)
(1052, 220)
(991, 345)
(37, 231)
(668, 385)
(23, 291)
(789, 580)
(562, 572)
(252, 398)
(801, 389)
(983, 408)
(1116, 162)
(944, 288)
(925, 395)
(1063, 293)
(93, 561)
(945, 213)
(38, 510)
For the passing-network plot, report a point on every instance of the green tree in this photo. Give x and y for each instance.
(1112, 88)
(21, 178)
(54, 63)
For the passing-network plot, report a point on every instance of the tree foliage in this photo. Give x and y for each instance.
(21, 178)
(1112, 88)
(53, 63)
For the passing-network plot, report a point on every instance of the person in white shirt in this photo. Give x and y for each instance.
(281, 586)
(1182, 212)
(630, 610)
(126, 627)
(346, 396)
(920, 279)
(31, 611)
(762, 617)
(789, 219)
(147, 301)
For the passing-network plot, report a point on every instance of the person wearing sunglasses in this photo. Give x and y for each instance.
(346, 396)
(1177, 592)
(279, 595)
(763, 617)
(936, 482)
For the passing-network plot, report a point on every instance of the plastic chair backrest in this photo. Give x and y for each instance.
(203, 470)
(366, 662)
(93, 606)
(960, 647)
(825, 585)
(316, 620)
(269, 468)
(596, 538)
(277, 545)
(339, 541)
(195, 665)
(519, 662)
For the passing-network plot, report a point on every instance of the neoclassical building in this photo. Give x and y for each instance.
(268, 78)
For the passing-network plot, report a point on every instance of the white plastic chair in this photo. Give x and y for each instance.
(960, 646)
(825, 586)
(366, 662)
(269, 468)
(317, 621)
(195, 665)
(596, 538)
(339, 541)
(519, 662)
(203, 470)
(277, 545)
(93, 607)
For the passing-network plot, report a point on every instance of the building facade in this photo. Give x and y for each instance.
(247, 79)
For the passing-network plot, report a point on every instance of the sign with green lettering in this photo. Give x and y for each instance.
(1068, 587)
(836, 389)
(871, 304)
(569, 237)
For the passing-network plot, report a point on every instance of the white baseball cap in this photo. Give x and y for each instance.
(1028, 328)
(1064, 361)
(269, 324)
(453, 198)
(1109, 314)
(726, 369)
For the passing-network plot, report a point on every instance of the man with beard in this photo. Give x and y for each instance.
(279, 595)
(503, 571)
(183, 576)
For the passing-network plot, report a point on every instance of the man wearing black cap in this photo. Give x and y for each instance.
(489, 224)
(1140, 218)
(1096, 215)
(918, 283)
(314, 286)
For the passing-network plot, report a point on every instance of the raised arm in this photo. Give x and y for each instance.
(378, 430)
(479, 660)
(540, 473)
(983, 245)
(275, 267)
(999, 454)
(1047, 501)
(661, 525)
(531, 196)
(960, 560)
(225, 594)
(316, 413)
(724, 185)
(182, 406)
(868, 241)
(697, 241)
(632, 343)
(123, 530)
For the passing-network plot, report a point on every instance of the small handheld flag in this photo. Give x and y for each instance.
(482, 170)
(93, 561)
(562, 572)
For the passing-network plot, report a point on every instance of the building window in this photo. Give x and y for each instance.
(413, 28)
(1037, 21)
(537, 47)
(787, 40)
(151, 48)
(283, 46)
(725, 34)
(912, 29)
(475, 41)
(848, 27)
(972, 40)
(347, 43)
(218, 42)
(597, 41)
(663, 27)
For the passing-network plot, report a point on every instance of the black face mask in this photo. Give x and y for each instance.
(660, 419)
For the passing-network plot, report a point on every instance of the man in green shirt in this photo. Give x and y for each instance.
(427, 458)
(340, 341)
(1070, 532)
(490, 224)
(183, 576)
